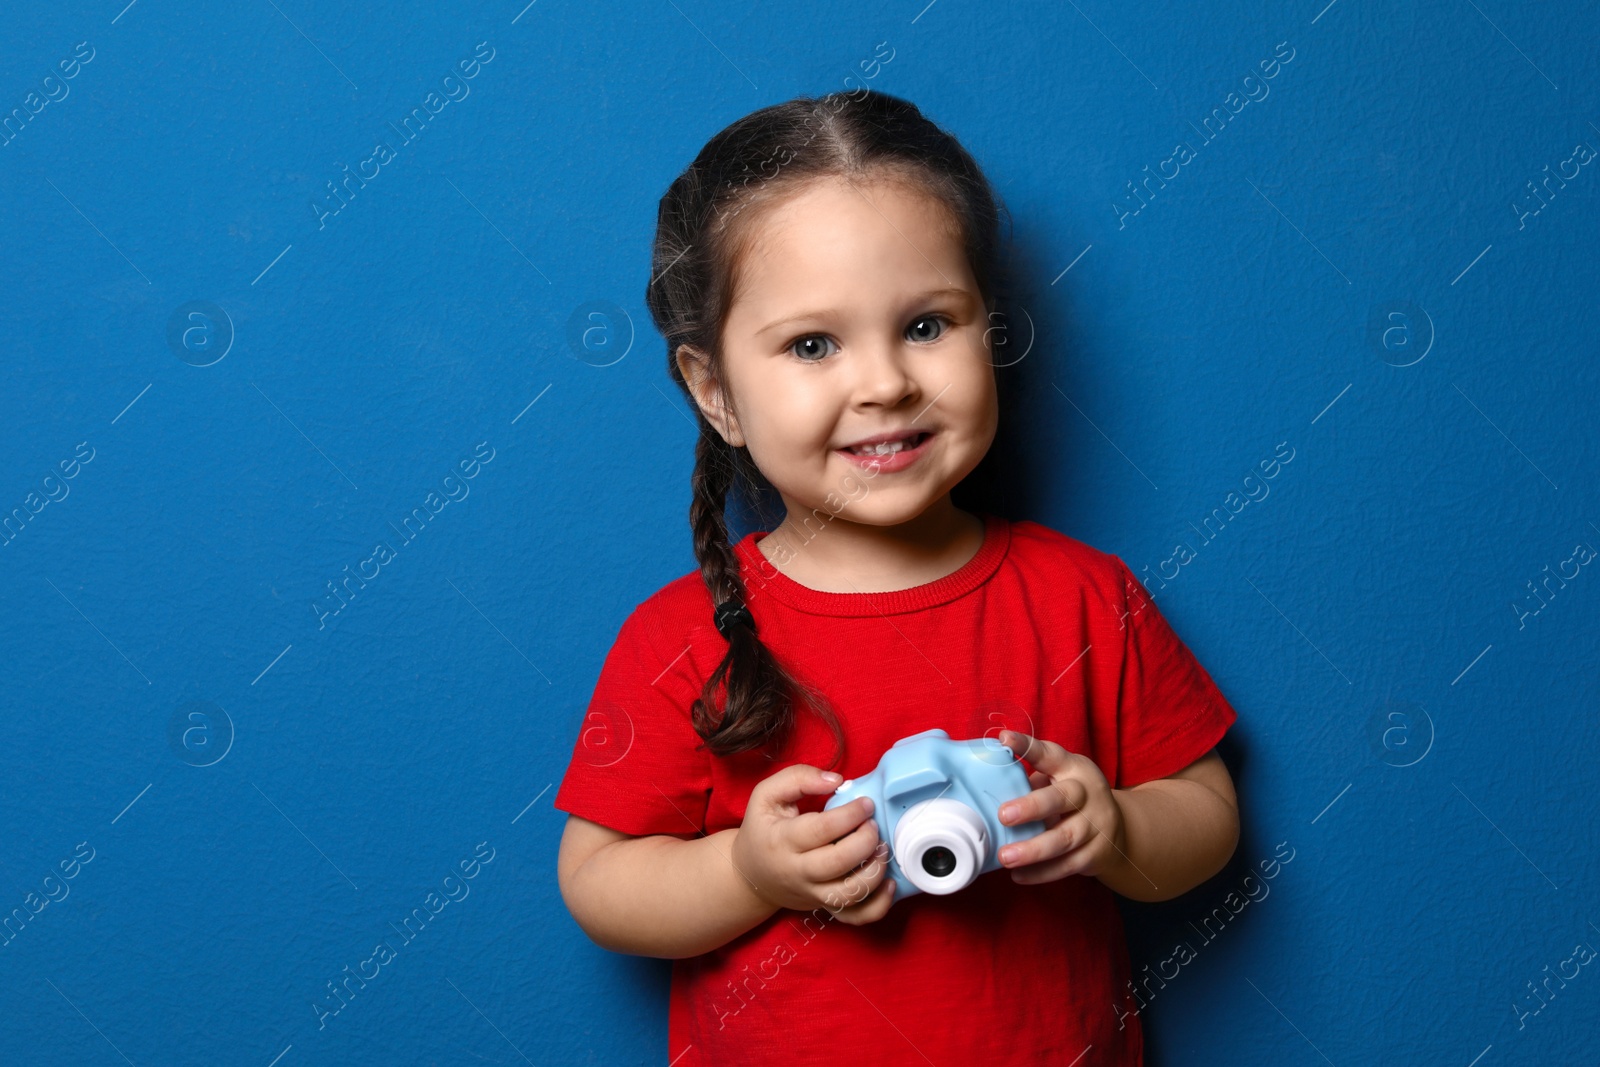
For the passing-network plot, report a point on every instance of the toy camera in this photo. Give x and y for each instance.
(937, 804)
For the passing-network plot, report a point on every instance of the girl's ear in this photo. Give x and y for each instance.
(708, 394)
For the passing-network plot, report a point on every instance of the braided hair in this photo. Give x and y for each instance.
(703, 226)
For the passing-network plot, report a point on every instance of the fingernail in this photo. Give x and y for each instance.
(833, 777)
(866, 803)
(1009, 811)
(1007, 855)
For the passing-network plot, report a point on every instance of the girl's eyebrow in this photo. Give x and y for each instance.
(811, 315)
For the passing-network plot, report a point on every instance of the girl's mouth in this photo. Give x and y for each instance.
(891, 456)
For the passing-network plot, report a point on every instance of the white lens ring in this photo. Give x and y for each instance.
(948, 825)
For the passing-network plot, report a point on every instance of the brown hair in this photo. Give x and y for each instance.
(754, 161)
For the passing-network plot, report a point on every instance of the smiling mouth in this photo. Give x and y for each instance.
(889, 448)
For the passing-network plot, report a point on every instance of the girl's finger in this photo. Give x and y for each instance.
(1039, 779)
(859, 884)
(1064, 796)
(782, 790)
(830, 862)
(1045, 756)
(1048, 871)
(1053, 842)
(873, 908)
(813, 829)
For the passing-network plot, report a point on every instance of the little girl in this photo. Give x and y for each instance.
(824, 275)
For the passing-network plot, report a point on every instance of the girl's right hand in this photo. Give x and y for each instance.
(811, 860)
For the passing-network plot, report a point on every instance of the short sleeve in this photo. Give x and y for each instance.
(634, 764)
(1169, 711)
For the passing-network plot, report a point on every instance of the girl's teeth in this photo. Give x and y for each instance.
(884, 448)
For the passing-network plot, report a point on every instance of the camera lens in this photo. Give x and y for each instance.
(944, 842)
(938, 861)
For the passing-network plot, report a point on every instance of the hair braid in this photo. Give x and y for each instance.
(759, 711)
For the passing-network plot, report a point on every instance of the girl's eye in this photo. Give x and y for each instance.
(811, 348)
(934, 320)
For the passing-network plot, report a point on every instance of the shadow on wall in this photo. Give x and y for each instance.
(1170, 942)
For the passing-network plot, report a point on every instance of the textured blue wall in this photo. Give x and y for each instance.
(222, 388)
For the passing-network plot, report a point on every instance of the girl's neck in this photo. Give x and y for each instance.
(840, 556)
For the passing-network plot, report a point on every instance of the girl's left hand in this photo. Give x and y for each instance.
(1083, 831)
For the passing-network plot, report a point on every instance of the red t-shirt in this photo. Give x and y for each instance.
(1038, 633)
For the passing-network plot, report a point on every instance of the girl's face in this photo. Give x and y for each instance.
(855, 316)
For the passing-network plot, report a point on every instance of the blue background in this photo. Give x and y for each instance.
(1425, 749)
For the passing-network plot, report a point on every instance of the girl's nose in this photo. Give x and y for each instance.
(884, 375)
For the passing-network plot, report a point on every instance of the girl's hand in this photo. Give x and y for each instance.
(1083, 822)
(811, 860)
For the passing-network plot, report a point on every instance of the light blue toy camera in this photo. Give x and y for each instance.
(937, 804)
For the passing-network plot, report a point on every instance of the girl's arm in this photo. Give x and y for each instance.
(1179, 831)
(656, 895)
(681, 895)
